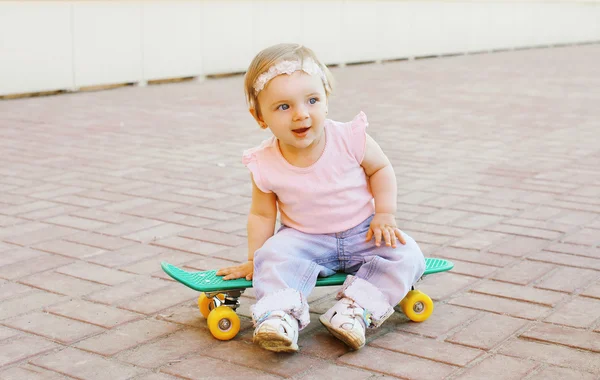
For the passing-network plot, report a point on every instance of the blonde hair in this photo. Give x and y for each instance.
(272, 55)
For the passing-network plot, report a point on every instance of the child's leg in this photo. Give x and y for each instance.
(385, 277)
(285, 272)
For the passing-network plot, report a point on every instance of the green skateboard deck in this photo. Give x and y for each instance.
(208, 281)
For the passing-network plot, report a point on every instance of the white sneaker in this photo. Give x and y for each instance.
(346, 321)
(277, 331)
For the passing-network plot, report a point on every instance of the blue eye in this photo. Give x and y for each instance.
(313, 100)
(283, 107)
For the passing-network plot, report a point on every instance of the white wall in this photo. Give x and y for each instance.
(56, 45)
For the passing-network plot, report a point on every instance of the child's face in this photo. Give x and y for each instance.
(294, 108)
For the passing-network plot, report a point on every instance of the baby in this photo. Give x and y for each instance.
(336, 193)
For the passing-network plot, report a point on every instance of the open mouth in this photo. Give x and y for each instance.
(300, 131)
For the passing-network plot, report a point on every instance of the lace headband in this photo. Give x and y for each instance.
(288, 67)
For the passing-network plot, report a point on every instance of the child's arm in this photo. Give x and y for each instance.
(383, 185)
(261, 226)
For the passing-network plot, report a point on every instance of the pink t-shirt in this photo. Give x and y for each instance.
(331, 195)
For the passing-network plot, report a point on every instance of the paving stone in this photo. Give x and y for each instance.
(552, 372)
(499, 367)
(488, 331)
(12, 290)
(95, 273)
(28, 302)
(500, 305)
(522, 273)
(29, 372)
(66, 248)
(568, 260)
(553, 354)
(198, 367)
(35, 265)
(23, 347)
(444, 319)
(84, 365)
(126, 336)
(396, 364)
(567, 279)
(427, 348)
(567, 336)
(93, 313)
(62, 284)
(53, 327)
(579, 312)
(519, 293)
(519, 246)
(443, 285)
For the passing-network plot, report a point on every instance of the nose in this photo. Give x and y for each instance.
(301, 113)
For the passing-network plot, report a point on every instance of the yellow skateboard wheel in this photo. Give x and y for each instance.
(207, 304)
(223, 323)
(417, 306)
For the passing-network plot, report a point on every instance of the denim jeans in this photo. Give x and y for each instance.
(286, 268)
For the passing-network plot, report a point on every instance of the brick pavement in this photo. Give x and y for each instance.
(497, 157)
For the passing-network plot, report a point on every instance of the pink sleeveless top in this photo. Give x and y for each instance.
(332, 195)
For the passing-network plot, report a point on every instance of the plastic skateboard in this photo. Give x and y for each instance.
(220, 298)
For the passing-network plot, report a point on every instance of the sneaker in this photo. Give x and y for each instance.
(347, 322)
(277, 331)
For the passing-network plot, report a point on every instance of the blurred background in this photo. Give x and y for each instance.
(48, 46)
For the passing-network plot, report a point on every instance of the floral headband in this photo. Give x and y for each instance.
(309, 66)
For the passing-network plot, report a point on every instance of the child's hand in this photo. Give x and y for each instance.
(384, 226)
(239, 271)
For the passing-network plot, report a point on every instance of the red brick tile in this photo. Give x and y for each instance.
(102, 216)
(6, 333)
(93, 313)
(28, 302)
(250, 355)
(153, 208)
(574, 249)
(499, 367)
(552, 372)
(183, 220)
(396, 364)
(62, 284)
(567, 260)
(472, 269)
(15, 254)
(83, 365)
(159, 232)
(332, 371)
(593, 291)
(444, 319)
(156, 376)
(53, 327)
(21, 229)
(500, 305)
(519, 246)
(126, 205)
(109, 243)
(567, 279)
(475, 256)
(160, 299)
(26, 207)
(76, 200)
(126, 255)
(38, 264)
(77, 223)
(189, 245)
(553, 354)
(542, 213)
(126, 336)
(478, 240)
(12, 290)
(167, 350)
(427, 348)
(212, 237)
(23, 347)
(49, 233)
(488, 331)
(197, 367)
(29, 372)
(484, 209)
(128, 227)
(127, 290)
(523, 273)
(430, 238)
(444, 285)
(152, 264)
(104, 196)
(586, 236)
(66, 248)
(9, 221)
(579, 312)
(49, 212)
(526, 231)
(519, 293)
(318, 342)
(96, 273)
(567, 336)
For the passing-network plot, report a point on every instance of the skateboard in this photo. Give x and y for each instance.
(220, 298)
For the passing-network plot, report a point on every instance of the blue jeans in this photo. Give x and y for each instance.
(286, 268)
